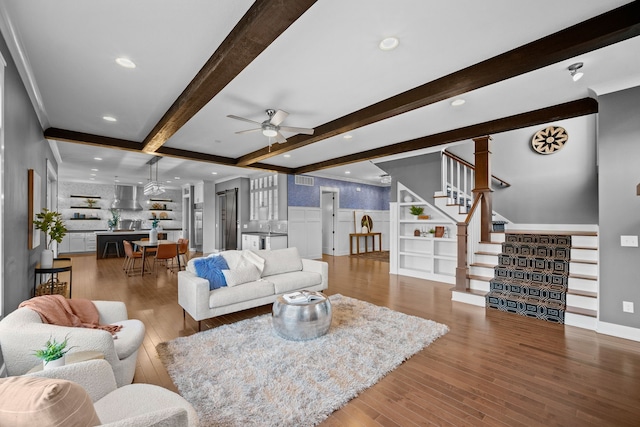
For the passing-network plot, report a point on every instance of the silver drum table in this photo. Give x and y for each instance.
(302, 321)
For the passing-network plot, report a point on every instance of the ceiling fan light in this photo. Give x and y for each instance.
(269, 132)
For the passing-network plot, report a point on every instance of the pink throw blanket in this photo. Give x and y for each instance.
(57, 310)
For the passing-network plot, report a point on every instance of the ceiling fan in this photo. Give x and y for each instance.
(271, 127)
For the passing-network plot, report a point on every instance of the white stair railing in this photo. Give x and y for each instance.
(457, 182)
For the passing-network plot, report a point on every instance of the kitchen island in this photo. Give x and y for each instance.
(118, 236)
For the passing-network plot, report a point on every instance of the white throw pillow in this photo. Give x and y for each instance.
(279, 261)
(244, 271)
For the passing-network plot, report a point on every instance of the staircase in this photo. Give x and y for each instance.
(531, 278)
(581, 298)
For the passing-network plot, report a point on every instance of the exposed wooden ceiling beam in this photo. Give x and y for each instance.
(567, 110)
(90, 139)
(258, 28)
(614, 26)
(123, 144)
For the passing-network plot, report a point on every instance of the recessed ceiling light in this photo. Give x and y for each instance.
(116, 180)
(94, 170)
(97, 158)
(92, 179)
(458, 102)
(139, 182)
(176, 177)
(348, 136)
(109, 118)
(389, 43)
(168, 182)
(287, 155)
(125, 62)
(214, 173)
(93, 174)
(347, 172)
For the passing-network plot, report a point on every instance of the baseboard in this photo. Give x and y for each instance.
(619, 331)
(468, 298)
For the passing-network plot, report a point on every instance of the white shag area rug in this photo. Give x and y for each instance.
(244, 374)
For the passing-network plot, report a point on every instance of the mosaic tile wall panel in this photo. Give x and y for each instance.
(370, 197)
(532, 276)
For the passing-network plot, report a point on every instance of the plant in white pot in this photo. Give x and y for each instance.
(50, 222)
(53, 353)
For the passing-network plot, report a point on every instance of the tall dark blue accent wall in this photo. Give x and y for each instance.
(370, 197)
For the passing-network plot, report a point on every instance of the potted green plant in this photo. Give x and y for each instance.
(53, 353)
(113, 222)
(91, 202)
(416, 210)
(50, 222)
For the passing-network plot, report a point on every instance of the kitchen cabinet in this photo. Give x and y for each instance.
(78, 242)
(275, 242)
(251, 241)
(198, 192)
(64, 246)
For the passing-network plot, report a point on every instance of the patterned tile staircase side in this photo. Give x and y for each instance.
(532, 276)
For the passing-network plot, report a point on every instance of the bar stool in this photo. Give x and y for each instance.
(107, 245)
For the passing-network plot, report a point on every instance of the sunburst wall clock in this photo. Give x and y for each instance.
(549, 140)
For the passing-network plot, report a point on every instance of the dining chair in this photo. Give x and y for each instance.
(183, 251)
(166, 252)
(130, 257)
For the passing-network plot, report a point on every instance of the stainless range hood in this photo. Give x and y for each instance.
(125, 197)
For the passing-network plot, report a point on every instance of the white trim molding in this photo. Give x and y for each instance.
(619, 331)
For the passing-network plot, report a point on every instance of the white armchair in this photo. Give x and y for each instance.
(22, 332)
(133, 405)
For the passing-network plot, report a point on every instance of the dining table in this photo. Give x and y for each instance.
(146, 244)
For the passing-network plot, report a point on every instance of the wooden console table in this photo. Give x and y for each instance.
(366, 246)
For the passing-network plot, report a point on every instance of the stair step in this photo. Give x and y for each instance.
(556, 232)
(583, 276)
(584, 261)
(486, 253)
(581, 311)
(483, 265)
(582, 293)
(476, 277)
(585, 248)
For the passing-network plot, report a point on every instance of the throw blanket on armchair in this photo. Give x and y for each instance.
(57, 310)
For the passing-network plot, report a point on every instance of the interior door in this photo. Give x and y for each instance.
(328, 223)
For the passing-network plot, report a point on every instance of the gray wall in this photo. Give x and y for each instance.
(25, 148)
(421, 174)
(619, 154)
(558, 188)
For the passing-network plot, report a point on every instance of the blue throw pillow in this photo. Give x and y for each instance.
(211, 269)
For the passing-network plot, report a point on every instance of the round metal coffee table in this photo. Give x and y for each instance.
(302, 321)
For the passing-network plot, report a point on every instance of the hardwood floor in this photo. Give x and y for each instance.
(492, 368)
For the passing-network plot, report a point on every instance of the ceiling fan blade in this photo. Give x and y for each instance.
(248, 131)
(278, 117)
(280, 138)
(306, 131)
(231, 116)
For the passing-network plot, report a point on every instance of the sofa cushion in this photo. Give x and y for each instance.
(280, 261)
(241, 293)
(234, 258)
(127, 340)
(35, 401)
(296, 280)
(211, 268)
(243, 272)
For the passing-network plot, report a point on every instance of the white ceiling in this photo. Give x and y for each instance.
(327, 64)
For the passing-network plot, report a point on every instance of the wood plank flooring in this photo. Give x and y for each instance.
(491, 369)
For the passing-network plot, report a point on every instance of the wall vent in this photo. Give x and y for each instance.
(304, 180)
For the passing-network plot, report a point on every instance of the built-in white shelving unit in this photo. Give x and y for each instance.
(424, 256)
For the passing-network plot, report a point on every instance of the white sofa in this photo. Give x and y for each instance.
(284, 271)
(22, 332)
